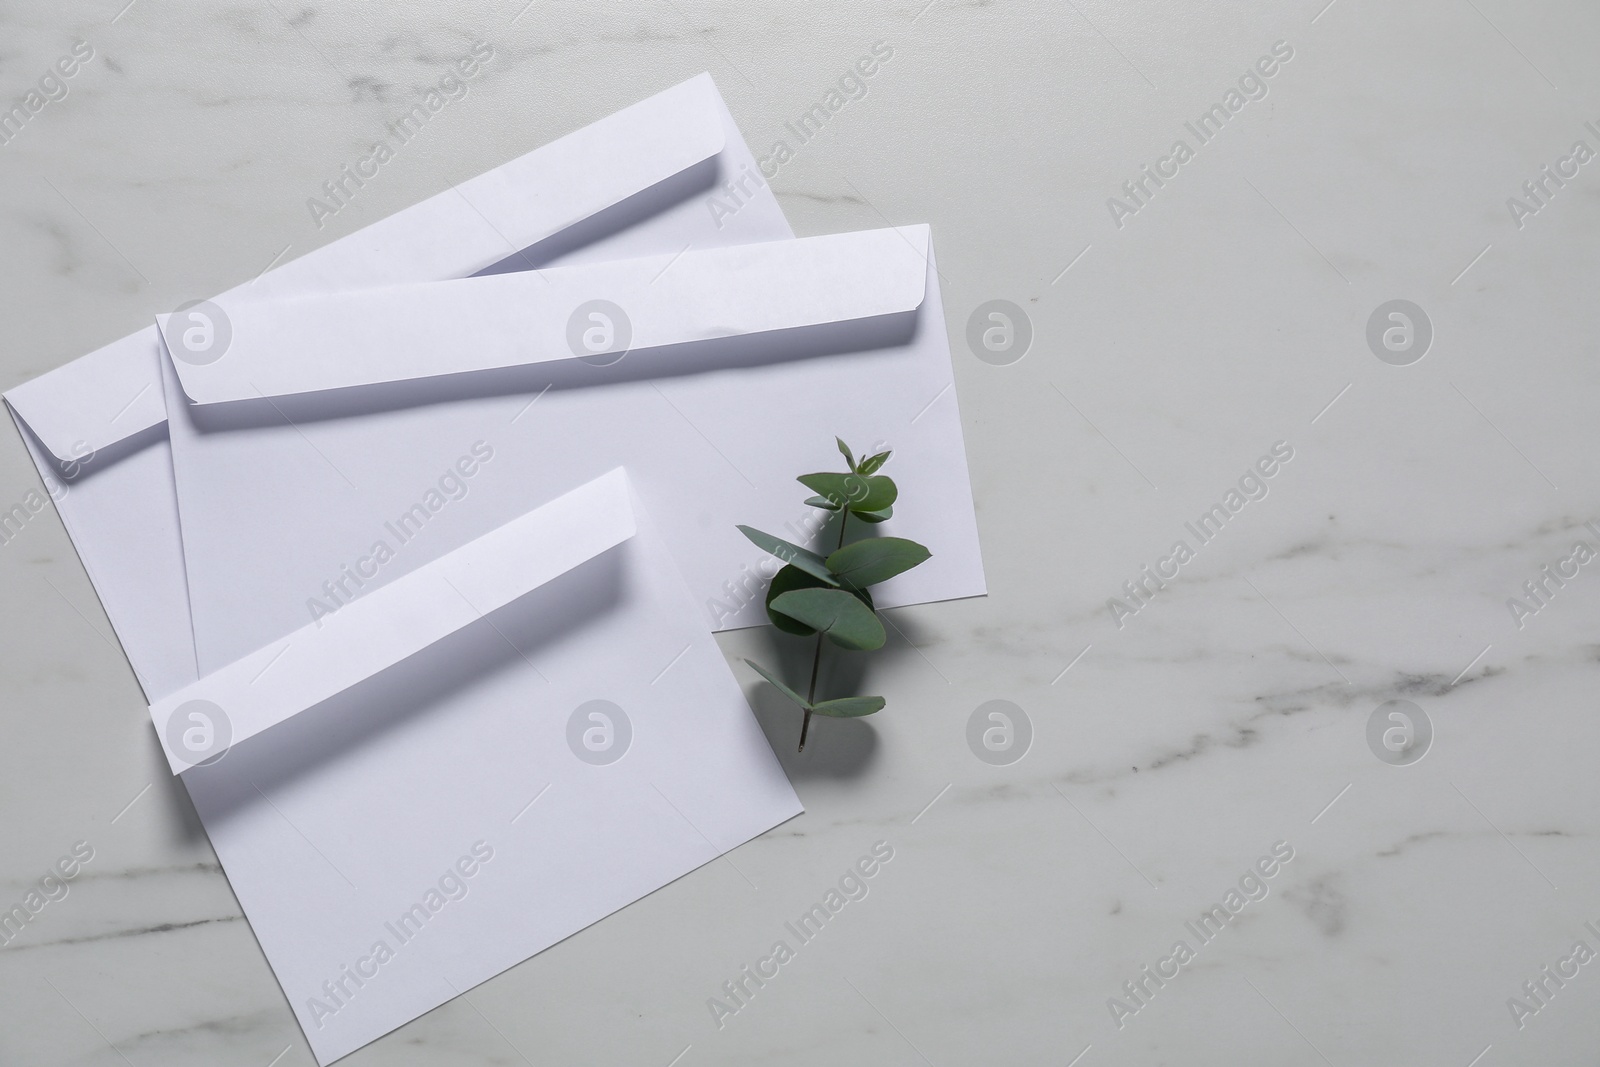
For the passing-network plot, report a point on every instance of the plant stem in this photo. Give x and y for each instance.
(816, 659)
(811, 697)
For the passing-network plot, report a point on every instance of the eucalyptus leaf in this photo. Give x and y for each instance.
(787, 580)
(871, 464)
(841, 615)
(822, 502)
(792, 554)
(874, 516)
(780, 687)
(844, 450)
(790, 578)
(861, 494)
(848, 707)
(881, 493)
(876, 559)
(837, 489)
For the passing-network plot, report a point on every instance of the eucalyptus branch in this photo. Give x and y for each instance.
(829, 596)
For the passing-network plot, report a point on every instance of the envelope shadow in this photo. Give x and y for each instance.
(618, 218)
(743, 352)
(182, 823)
(505, 639)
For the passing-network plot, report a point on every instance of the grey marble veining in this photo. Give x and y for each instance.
(1173, 345)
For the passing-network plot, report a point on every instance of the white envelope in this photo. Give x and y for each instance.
(498, 789)
(746, 363)
(397, 777)
(327, 658)
(656, 161)
(320, 342)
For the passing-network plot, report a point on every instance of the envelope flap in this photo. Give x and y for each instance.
(369, 337)
(391, 623)
(96, 400)
(114, 392)
(542, 193)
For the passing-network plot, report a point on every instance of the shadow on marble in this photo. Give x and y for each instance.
(835, 748)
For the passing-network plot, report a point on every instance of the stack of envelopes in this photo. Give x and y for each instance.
(430, 530)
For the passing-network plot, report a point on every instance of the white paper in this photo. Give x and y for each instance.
(658, 158)
(315, 343)
(341, 650)
(114, 392)
(280, 494)
(396, 778)
(335, 823)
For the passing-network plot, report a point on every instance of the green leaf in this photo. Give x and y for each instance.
(791, 554)
(787, 580)
(841, 615)
(876, 559)
(844, 449)
(871, 464)
(848, 707)
(861, 494)
(881, 493)
(874, 516)
(779, 686)
(837, 489)
(822, 502)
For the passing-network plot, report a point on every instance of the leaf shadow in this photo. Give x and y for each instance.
(835, 748)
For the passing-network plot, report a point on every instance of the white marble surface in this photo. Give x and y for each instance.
(1222, 317)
